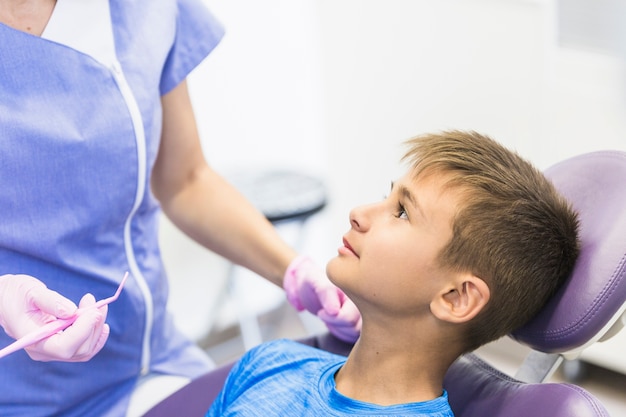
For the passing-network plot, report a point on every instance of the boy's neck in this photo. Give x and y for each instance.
(385, 371)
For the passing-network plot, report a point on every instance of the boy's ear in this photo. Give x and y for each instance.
(462, 300)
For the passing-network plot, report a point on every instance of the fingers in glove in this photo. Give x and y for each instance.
(51, 302)
(330, 299)
(346, 325)
(94, 319)
(79, 342)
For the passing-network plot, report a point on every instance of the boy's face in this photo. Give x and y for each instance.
(389, 256)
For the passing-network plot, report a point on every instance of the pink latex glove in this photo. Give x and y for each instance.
(308, 287)
(27, 304)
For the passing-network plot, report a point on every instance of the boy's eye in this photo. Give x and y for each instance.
(401, 212)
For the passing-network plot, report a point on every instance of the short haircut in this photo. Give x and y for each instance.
(512, 229)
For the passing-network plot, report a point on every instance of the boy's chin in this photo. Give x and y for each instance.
(332, 270)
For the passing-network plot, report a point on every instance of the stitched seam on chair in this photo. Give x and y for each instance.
(597, 303)
(591, 400)
(491, 370)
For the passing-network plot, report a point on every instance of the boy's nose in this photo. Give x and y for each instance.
(360, 217)
(354, 222)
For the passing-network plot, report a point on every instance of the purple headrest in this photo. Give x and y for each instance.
(595, 293)
(475, 389)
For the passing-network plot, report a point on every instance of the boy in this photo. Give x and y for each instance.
(468, 246)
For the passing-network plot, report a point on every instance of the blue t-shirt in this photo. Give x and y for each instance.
(286, 378)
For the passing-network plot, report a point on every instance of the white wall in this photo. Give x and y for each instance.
(257, 96)
(401, 67)
(333, 87)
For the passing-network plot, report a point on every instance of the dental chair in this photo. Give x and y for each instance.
(589, 308)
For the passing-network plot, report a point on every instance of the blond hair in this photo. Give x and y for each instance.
(512, 229)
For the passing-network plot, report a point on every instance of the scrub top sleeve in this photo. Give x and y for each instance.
(197, 33)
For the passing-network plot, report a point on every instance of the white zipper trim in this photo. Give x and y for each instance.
(140, 138)
(86, 27)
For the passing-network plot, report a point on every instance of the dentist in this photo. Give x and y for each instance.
(98, 138)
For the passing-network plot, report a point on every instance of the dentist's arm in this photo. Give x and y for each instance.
(206, 207)
(213, 213)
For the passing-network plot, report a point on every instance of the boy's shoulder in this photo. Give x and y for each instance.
(276, 367)
(277, 375)
(281, 351)
(282, 358)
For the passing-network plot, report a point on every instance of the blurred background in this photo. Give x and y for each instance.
(331, 88)
(335, 86)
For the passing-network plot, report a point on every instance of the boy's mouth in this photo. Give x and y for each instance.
(346, 244)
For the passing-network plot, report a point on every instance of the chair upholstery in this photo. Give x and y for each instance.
(591, 303)
(594, 298)
(475, 389)
(195, 398)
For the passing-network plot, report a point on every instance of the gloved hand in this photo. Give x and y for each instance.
(27, 304)
(308, 287)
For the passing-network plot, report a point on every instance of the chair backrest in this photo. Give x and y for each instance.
(476, 389)
(591, 305)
